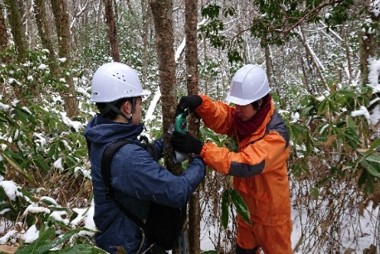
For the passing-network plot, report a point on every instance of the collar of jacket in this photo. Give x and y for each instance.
(260, 132)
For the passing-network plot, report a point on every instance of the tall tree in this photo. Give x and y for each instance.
(3, 44)
(191, 59)
(146, 19)
(162, 17)
(44, 33)
(3, 31)
(112, 31)
(14, 18)
(163, 26)
(68, 92)
(369, 40)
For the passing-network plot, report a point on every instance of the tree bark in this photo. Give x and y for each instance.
(4, 59)
(315, 62)
(68, 92)
(162, 18)
(112, 31)
(368, 44)
(191, 59)
(163, 25)
(44, 33)
(3, 31)
(144, 36)
(14, 18)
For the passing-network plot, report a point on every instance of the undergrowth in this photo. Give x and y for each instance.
(45, 185)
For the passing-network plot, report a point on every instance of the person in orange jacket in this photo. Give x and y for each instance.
(259, 167)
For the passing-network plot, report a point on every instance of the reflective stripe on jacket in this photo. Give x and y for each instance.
(260, 166)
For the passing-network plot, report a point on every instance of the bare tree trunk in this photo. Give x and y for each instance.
(115, 10)
(144, 35)
(81, 12)
(28, 28)
(163, 24)
(316, 64)
(162, 17)
(268, 61)
(44, 33)
(348, 57)
(61, 18)
(368, 44)
(112, 31)
(191, 59)
(14, 18)
(3, 31)
(3, 46)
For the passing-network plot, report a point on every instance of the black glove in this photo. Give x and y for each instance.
(185, 143)
(191, 102)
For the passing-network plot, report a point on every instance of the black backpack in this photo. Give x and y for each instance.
(163, 225)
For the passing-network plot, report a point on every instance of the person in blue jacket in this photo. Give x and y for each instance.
(136, 177)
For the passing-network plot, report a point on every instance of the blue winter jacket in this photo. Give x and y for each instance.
(136, 179)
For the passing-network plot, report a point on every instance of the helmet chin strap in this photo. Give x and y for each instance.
(132, 110)
(118, 111)
(129, 118)
(111, 106)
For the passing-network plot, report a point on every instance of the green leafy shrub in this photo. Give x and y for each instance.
(342, 143)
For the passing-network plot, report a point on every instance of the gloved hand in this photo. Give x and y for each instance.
(185, 143)
(191, 102)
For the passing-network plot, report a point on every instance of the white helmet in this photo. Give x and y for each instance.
(113, 81)
(249, 84)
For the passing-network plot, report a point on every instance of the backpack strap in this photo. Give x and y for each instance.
(107, 156)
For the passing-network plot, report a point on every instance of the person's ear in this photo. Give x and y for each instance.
(126, 108)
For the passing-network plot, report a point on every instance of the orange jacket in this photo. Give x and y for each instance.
(260, 166)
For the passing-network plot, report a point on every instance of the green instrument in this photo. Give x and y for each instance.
(180, 123)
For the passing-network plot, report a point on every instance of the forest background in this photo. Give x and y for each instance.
(323, 61)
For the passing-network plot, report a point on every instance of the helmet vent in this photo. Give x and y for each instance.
(113, 81)
(119, 76)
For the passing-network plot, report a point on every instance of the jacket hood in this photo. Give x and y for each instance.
(102, 130)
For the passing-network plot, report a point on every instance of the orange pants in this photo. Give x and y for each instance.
(271, 239)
